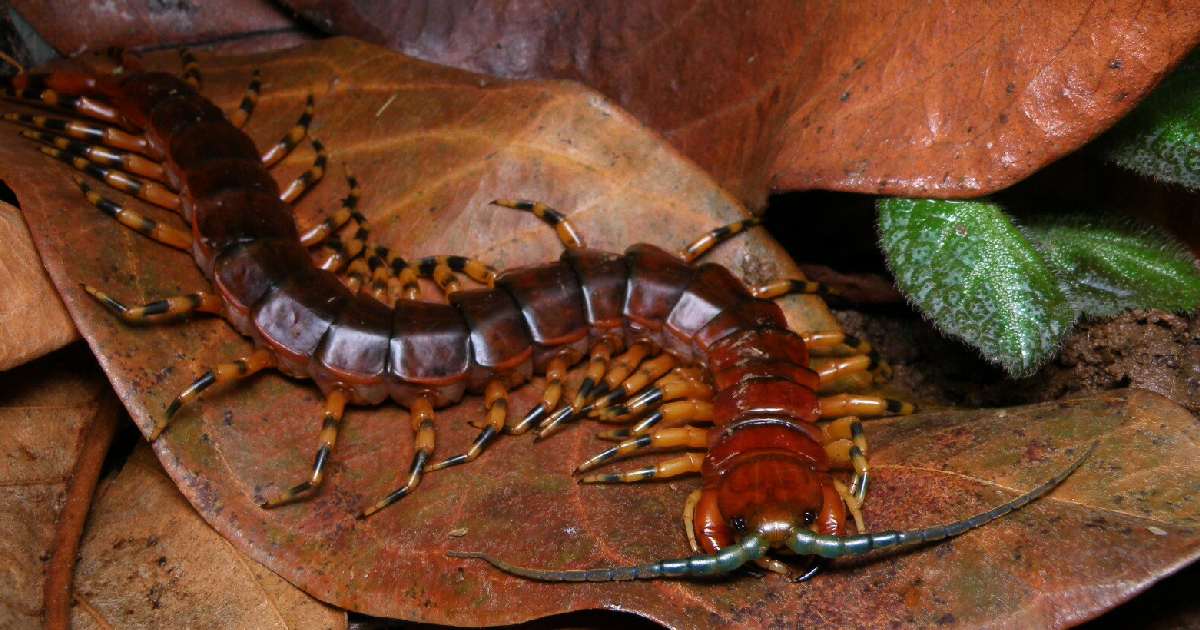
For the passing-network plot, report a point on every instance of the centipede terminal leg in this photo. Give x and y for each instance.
(224, 373)
(331, 419)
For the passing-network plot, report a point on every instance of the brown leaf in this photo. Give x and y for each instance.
(32, 318)
(149, 561)
(241, 25)
(905, 99)
(432, 146)
(58, 416)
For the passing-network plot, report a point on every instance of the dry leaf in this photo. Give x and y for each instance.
(432, 146)
(32, 318)
(149, 561)
(934, 100)
(235, 25)
(58, 416)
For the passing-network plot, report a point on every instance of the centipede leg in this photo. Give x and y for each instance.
(249, 100)
(791, 286)
(598, 362)
(421, 412)
(90, 132)
(309, 177)
(100, 155)
(223, 373)
(191, 68)
(853, 405)
(145, 190)
(567, 234)
(36, 94)
(495, 402)
(701, 246)
(338, 252)
(334, 222)
(685, 464)
(556, 370)
(292, 138)
(162, 233)
(672, 414)
(665, 390)
(846, 447)
(662, 439)
(335, 406)
(159, 310)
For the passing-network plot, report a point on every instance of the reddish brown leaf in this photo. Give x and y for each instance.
(149, 561)
(906, 99)
(432, 146)
(32, 318)
(58, 417)
(75, 27)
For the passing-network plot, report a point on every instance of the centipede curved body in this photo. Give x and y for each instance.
(766, 464)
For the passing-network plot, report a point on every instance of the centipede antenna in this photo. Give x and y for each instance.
(728, 559)
(809, 543)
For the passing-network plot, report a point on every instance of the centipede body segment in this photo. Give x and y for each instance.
(684, 357)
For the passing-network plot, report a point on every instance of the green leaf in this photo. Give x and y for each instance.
(971, 271)
(1106, 265)
(1161, 137)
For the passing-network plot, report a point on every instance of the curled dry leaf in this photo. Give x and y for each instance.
(926, 100)
(58, 416)
(149, 561)
(32, 318)
(432, 146)
(230, 24)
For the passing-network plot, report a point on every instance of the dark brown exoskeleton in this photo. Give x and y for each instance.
(689, 356)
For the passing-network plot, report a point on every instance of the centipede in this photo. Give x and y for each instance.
(682, 356)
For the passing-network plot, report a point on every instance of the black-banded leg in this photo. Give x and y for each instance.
(830, 369)
(335, 406)
(164, 234)
(624, 365)
(567, 234)
(309, 178)
(840, 405)
(647, 373)
(846, 447)
(36, 94)
(145, 190)
(97, 154)
(159, 310)
(660, 439)
(224, 373)
(667, 389)
(191, 68)
(335, 253)
(348, 210)
(402, 280)
(495, 403)
(701, 246)
(421, 412)
(672, 414)
(249, 100)
(80, 130)
(598, 361)
(780, 288)
(685, 464)
(443, 269)
(292, 138)
(556, 371)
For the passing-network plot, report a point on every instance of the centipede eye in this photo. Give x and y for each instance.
(738, 524)
(809, 517)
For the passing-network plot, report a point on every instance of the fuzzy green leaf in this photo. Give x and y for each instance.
(1161, 137)
(1106, 266)
(971, 271)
